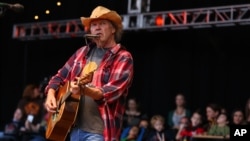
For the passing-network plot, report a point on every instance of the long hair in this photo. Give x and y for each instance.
(118, 32)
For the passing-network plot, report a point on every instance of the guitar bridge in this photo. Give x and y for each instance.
(54, 116)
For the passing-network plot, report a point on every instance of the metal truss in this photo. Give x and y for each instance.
(232, 15)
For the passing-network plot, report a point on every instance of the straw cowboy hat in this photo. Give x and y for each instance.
(101, 12)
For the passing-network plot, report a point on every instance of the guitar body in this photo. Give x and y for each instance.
(60, 123)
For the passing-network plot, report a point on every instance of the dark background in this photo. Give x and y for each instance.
(207, 65)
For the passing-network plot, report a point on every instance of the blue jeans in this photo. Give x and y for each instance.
(80, 135)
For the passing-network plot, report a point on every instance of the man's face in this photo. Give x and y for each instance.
(103, 28)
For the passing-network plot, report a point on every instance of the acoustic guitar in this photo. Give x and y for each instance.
(60, 122)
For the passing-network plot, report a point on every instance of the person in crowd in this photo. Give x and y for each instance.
(29, 108)
(212, 112)
(188, 128)
(144, 123)
(174, 116)
(185, 123)
(100, 73)
(221, 128)
(133, 114)
(143, 127)
(12, 130)
(132, 133)
(238, 117)
(33, 132)
(158, 130)
(247, 110)
(32, 103)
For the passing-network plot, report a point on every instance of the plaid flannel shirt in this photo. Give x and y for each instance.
(113, 76)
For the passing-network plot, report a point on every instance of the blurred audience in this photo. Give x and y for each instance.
(30, 120)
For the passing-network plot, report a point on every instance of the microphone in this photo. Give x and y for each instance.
(15, 7)
(91, 36)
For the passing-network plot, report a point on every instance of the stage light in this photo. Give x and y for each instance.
(47, 12)
(58, 3)
(36, 17)
(159, 21)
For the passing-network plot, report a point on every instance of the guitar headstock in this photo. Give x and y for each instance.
(87, 78)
